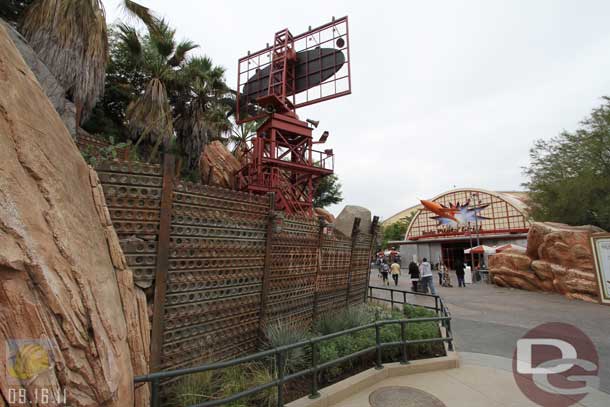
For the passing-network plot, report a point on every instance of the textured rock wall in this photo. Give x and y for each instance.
(558, 258)
(62, 273)
(54, 91)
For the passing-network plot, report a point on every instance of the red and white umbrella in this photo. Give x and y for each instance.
(482, 249)
(510, 246)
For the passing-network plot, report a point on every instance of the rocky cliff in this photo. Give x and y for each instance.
(558, 258)
(72, 321)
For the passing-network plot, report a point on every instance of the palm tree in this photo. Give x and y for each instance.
(241, 135)
(203, 105)
(150, 115)
(70, 36)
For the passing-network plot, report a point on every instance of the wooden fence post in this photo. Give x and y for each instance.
(314, 312)
(267, 266)
(355, 232)
(373, 232)
(165, 218)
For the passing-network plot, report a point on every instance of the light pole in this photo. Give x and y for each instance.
(475, 198)
(471, 254)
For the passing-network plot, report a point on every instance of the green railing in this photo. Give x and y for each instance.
(440, 308)
(279, 354)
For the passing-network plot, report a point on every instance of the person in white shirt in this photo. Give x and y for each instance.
(427, 280)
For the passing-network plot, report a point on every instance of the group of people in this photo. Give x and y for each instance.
(422, 278)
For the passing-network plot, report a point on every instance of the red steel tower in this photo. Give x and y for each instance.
(272, 83)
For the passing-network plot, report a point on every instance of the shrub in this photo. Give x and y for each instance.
(286, 333)
(193, 389)
(239, 378)
(200, 387)
(343, 319)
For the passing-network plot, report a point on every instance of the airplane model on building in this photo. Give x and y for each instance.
(454, 214)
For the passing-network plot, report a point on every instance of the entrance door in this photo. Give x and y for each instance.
(453, 251)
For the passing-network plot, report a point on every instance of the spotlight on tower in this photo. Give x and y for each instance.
(314, 123)
(323, 137)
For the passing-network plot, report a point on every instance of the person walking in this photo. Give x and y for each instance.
(395, 270)
(440, 271)
(446, 276)
(414, 273)
(427, 279)
(459, 272)
(385, 268)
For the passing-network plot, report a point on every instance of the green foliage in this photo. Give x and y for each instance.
(396, 230)
(106, 153)
(156, 90)
(569, 175)
(356, 316)
(328, 192)
(343, 319)
(200, 387)
(193, 389)
(286, 333)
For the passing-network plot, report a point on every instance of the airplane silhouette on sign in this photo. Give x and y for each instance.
(454, 214)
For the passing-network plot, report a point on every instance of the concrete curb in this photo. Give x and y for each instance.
(346, 388)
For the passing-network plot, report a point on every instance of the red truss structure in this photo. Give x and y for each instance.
(295, 71)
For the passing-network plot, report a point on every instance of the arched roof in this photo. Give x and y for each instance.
(504, 212)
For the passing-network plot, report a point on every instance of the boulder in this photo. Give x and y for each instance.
(324, 214)
(345, 220)
(558, 259)
(218, 166)
(63, 280)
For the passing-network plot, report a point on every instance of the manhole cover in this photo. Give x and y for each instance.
(398, 396)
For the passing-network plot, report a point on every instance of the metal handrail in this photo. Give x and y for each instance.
(279, 355)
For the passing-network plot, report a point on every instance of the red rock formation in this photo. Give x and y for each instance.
(63, 276)
(558, 258)
(326, 215)
(218, 166)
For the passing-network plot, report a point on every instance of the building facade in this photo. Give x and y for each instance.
(462, 218)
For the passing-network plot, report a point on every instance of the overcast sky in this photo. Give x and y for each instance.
(444, 93)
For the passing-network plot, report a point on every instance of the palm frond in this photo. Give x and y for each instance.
(131, 40)
(180, 53)
(150, 117)
(140, 12)
(70, 36)
(162, 38)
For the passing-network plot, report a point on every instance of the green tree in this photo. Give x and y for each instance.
(155, 90)
(569, 175)
(396, 230)
(328, 192)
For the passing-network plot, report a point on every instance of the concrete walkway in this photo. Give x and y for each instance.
(487, 319)
(480, 381)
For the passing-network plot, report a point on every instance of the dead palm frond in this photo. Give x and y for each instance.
(149, 117)
(70, 37)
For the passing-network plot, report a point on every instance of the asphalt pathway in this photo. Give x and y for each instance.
(489, 319)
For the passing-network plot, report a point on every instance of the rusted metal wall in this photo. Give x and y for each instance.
(217, 251)
(334, 271)
(360, 264)
(133, 196)
(222, 244)
(294, 261)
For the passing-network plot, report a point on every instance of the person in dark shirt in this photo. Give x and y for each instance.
(459, 272)
(414, 273)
